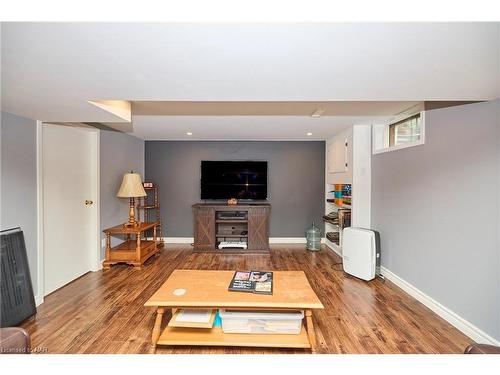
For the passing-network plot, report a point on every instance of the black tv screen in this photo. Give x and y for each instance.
(234, 179)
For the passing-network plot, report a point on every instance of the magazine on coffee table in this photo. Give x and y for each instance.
(260, 282)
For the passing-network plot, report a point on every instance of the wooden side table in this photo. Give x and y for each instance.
(132, 251)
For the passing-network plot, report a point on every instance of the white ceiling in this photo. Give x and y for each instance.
(243, 127)
(51, 70)
(255, 120)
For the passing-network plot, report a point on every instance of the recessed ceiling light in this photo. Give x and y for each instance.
(317, 113)
(189, 133)
(309, 133)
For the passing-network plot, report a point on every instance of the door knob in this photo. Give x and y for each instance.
(87, 202)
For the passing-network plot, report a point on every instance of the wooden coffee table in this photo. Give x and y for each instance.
(208, 289)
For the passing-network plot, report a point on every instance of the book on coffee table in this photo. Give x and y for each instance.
(260, 282)
(193, 318)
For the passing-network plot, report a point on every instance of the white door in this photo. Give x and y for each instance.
(338, 155)
(70, 220)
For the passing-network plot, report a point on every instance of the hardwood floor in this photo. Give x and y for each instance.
(103, 312)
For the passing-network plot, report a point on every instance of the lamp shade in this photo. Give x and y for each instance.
(131, 186)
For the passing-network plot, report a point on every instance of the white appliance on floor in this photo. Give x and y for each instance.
(361, 252)
(233, 245)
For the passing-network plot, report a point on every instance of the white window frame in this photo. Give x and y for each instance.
(380, 135)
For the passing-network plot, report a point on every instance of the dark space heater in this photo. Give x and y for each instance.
(17, 300)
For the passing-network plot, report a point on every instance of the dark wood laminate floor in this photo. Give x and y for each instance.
(103, 312)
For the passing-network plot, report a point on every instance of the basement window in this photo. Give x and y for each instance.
(406, 132)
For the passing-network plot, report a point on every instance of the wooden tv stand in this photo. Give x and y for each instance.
(210, 228)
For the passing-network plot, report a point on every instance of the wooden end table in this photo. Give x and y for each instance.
(208, 289)
(133, 251)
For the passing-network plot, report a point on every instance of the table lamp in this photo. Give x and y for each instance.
(131, 188)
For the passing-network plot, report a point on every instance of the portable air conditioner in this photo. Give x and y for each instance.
(361, 252)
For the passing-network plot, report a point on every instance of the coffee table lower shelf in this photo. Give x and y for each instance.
(215, 337)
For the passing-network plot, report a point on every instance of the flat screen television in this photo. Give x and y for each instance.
(234, 179)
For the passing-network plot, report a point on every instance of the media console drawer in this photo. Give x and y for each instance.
(214, 223)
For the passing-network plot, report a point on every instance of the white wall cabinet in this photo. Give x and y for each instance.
(339, 158)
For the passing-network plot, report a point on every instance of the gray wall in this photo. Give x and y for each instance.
(18, 182)
(296, 180)
(120, 153)
(437, 209)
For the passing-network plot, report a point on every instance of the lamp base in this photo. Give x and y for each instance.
(132, 223)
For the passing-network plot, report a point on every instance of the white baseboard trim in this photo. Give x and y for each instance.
(276, 240)
(451, 317)
(97, 267)
(38, 300)
(333, 248)
(272, 240)
(178, 239)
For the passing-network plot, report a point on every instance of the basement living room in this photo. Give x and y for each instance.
(235, 194)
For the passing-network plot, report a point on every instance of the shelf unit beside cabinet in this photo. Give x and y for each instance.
(146, 205)
(335, 204)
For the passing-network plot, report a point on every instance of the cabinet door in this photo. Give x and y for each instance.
(339, 159)
(258, 228)
(204, 228)
(329, 157)
(338, 156)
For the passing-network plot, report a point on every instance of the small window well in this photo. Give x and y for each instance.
(406, 132)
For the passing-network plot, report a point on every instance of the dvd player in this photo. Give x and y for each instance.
(232, 215)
